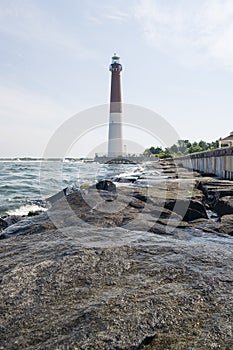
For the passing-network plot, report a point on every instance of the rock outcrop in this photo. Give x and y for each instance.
(195, 209)
(86, 288)
(219, 198)
(3, 224)
(130, 273)
(224, 206)
(226, 224)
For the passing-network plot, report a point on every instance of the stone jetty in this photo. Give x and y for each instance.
(146, 268)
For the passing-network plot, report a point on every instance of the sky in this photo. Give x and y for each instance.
(177, 58)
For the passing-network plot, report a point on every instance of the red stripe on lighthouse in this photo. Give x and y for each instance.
(115, 98)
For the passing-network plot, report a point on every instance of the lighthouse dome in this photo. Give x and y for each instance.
(115, 58)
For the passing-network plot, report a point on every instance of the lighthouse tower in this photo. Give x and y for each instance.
(115, 144)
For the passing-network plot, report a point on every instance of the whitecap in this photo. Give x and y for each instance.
(25, 209)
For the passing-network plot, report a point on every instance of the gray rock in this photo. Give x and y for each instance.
(214, 189)
(28, 226)
(86, 276)
(3, 224)
(86, 288)
(57, 196)
(224, 206)
(226, 224)
(195, 209)
(12, 219)
(106, 185)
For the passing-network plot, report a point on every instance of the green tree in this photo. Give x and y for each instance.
(174, 149)
(183, 145)
(214, 144)
(153, 150)
(165, 154)
(194, 148)
(203, 145)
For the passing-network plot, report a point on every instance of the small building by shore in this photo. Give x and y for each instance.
(226, 141)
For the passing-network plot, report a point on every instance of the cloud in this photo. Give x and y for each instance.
(195, 32)
(30, 24)
(112, 13)
(118, 12)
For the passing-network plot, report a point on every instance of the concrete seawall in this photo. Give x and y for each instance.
(217, 162)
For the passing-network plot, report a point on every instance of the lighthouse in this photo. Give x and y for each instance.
(115, 143)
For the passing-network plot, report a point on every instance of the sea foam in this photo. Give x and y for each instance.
(25, 209)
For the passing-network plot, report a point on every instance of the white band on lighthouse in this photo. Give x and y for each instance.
(115, 144)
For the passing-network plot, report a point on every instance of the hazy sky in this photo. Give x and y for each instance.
(177, 58)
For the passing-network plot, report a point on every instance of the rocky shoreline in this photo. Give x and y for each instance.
(147, 268)
(189, 198)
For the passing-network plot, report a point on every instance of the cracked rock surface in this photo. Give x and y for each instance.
(86, 288)
(74, 279)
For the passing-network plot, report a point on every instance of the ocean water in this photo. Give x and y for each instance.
(25, 184)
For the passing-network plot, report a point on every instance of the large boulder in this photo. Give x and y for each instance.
(189, 209)
(224, 206)
(106, 185)
(12, 219)
(57, 196)
(226, 224)
(214, 189)
(107, 190)
(3, 224)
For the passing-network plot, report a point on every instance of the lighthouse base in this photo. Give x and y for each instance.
(104, 159)
(115, 143)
